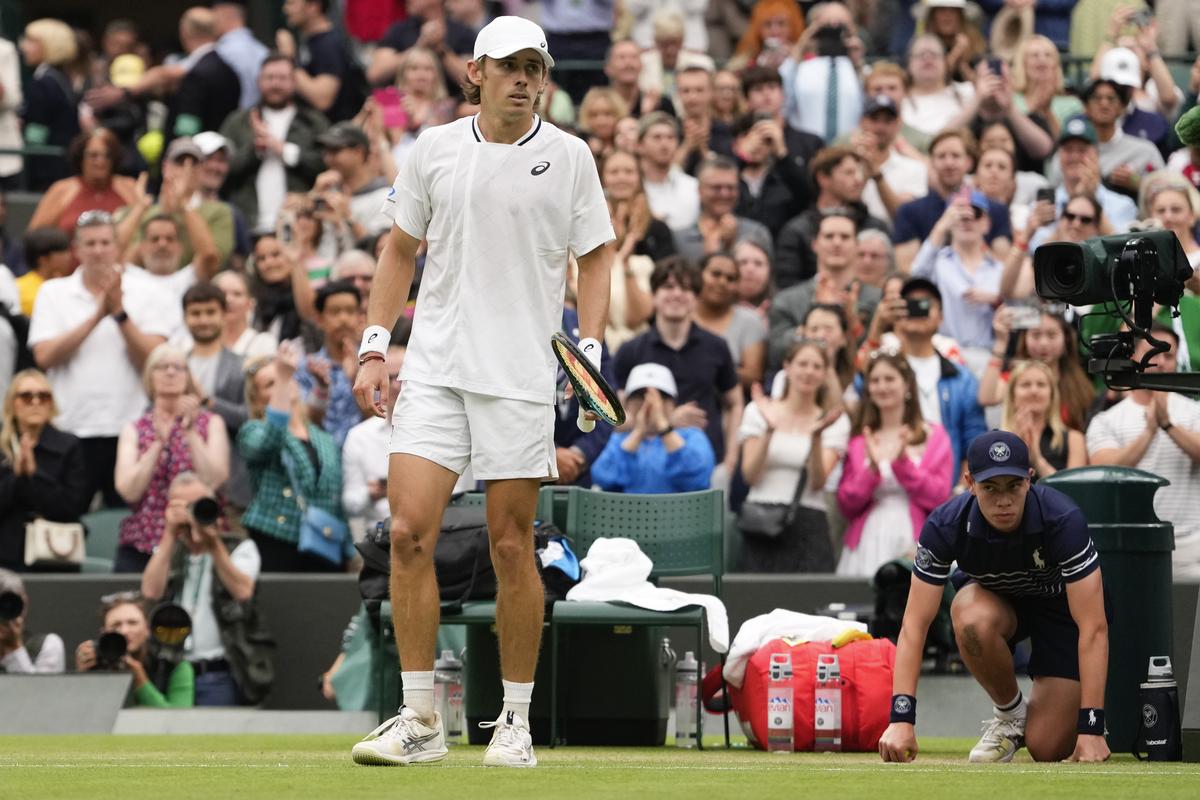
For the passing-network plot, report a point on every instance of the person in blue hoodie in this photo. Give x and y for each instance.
(651, 456)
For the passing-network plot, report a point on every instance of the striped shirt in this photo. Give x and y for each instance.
(1050, 549)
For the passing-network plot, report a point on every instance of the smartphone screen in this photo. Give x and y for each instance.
(391, 104)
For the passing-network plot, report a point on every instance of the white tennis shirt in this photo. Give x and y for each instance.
(499, 220)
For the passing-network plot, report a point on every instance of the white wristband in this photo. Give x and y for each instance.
(376, 339)
(591, 348)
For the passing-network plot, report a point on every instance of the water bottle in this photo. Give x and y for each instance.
(781, 717)
(448, 694)
(1159, 735)
(687, 684)
(827, 720)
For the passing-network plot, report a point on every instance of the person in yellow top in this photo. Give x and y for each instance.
(48, 254)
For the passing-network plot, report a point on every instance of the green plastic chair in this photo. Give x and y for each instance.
(682, 534)
(103, 531)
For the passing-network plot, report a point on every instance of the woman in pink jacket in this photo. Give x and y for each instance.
(897, 469)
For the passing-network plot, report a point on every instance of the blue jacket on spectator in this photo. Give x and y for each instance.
(652, 470)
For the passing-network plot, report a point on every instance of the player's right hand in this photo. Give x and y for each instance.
(898, 743)
(371, 387)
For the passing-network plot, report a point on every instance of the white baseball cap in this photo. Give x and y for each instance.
(1120, 65)
(504, 36)
(210, 142)
(647, 376)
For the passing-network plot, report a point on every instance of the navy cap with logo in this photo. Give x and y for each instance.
(997, 453)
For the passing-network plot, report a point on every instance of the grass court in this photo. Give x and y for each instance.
(247, 767)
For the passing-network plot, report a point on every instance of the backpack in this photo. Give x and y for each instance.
(866, 680)
(463, 561)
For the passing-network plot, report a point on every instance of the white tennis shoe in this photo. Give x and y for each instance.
(1001, 740)
(511, 744)
(403, 739)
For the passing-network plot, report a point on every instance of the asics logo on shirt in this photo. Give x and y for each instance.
(541, 167)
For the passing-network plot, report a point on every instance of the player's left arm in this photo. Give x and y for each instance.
(595, 268)
(1085, 598)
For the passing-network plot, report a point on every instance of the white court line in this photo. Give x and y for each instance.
(1049, 770)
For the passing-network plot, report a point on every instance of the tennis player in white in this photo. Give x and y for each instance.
(501, 198)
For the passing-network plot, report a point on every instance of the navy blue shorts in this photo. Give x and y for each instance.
(1051, 630)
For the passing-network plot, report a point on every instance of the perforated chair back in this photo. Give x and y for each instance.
(683, 534)
(545, 504)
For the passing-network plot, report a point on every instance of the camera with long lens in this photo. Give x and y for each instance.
(831, 40)
(111, 648)
(1126, 274)
(206, 511)
(12, 605)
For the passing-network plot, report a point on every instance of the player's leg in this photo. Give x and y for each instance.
(512, 449)
(1050, 731)
(418, 491)
(430, 448)
(984, 622)
(520, 602)
(520, 608)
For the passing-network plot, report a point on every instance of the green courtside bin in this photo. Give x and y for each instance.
(1135, 557)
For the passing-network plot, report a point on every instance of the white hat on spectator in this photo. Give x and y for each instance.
(651, 376)
(210, 142)
(1120, 65)
(504, 36)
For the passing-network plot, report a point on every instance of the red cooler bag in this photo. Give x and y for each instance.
(866, 669)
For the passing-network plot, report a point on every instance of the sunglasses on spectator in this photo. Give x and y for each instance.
(1082, 219)
(120, 597)
(170, 366)
(94, 217)
(35, 397)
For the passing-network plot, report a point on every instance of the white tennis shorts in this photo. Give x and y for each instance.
(500, 438)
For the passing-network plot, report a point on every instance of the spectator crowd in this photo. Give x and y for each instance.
(826, 215)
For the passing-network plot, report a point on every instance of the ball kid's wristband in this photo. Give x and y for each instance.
(1091, 721)
(904, 709)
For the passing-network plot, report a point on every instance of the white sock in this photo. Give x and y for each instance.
(418, 693)
(1014, 709)
(517, 697)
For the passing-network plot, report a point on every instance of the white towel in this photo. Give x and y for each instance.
(616, 570)
(757, 631)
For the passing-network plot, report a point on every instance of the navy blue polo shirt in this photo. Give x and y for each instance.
(703, 370)
(916, 218)
(1050, 549)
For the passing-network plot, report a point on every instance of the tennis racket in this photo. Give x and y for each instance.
(593, 391)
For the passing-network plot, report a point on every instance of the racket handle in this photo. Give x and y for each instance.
(586, 425)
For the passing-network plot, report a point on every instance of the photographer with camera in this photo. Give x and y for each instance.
(19, 651)
(823, 95)
(214, 581)
(124, 644)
